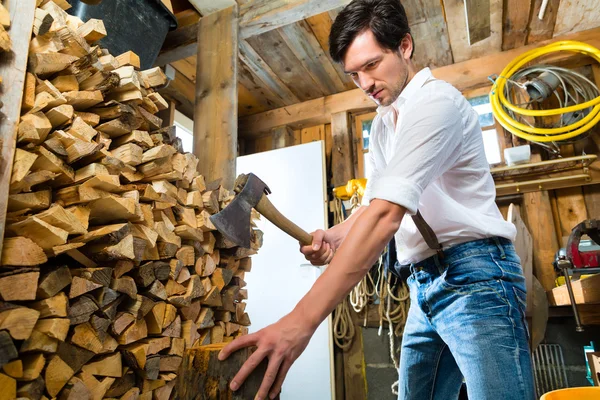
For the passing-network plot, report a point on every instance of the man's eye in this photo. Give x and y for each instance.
(353, 75)
(371, 65)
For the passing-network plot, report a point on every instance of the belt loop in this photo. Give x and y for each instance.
(500, 247)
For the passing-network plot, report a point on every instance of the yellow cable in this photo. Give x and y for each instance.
(498, 100)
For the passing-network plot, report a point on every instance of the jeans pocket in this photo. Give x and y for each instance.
(472, 271)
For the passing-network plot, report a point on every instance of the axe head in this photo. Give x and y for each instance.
(234, 220)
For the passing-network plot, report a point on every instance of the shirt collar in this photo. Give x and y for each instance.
(413, 86)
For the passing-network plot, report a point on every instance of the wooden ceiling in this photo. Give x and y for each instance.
(291, 64)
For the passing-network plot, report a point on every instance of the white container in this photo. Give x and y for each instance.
(517, 155)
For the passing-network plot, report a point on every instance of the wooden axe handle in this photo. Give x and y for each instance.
(268, 210)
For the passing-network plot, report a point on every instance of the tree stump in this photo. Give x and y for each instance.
(203, 377)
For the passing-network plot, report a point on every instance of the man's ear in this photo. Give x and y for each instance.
(406, 46)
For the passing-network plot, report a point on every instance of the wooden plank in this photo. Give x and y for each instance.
(524, 249)
(257, 88)
(591, 195)
(215, 116)
(433, 29)
(260, 16)
(306, 48)
(263, 71)
(466, 75)
(478, 20)
(516, 20)
(538, 218)
(187, 67)
(342, 165)
(248, 104)
(12, 70)
(271, 47)
(542, 29)
(457, 31)
(312, 134)
(320, 25)
(586, 291)
(571, 210)
(575, 16)
(355, 380)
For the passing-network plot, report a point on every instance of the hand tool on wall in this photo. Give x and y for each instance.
(234, 220)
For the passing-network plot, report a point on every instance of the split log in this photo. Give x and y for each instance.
(22, 251)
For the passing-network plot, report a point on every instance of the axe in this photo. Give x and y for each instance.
(234, 220)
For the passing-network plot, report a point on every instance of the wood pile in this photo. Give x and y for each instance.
(111, 267)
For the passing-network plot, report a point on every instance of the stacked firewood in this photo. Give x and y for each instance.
(111, 267)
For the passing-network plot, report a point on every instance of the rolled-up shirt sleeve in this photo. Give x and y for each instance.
(429, 142)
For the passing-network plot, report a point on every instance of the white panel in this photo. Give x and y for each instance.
(280, 275)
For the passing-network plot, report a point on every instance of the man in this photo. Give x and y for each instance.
(466, 318)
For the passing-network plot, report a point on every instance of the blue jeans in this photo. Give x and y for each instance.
(467, 320)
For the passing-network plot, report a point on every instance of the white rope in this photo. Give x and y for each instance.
(393, 301)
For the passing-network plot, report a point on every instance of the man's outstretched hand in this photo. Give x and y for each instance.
(281, 343)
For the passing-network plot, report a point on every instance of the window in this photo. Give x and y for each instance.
(184, 129)
(362, 126)
(482, 106)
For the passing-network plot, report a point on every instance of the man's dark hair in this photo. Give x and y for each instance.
(386, 19)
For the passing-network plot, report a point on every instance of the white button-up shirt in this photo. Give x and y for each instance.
(431, 158)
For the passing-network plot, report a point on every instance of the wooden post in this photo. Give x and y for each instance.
(216, 110)
(355, 379)
(202, 376)
(342, 165)
(283, 136)
(12, 70)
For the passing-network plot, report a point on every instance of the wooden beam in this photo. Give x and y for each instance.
(180, 43)
(260, 16)
(216, 111)
(342, 161)
(308, 113)
(466, 75)
(12, 70)
(256, 17)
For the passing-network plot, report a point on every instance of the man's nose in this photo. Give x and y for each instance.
(365, 82)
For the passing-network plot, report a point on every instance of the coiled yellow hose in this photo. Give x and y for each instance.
(499, 102)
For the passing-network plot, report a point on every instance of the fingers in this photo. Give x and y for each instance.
(250, 365)
(317, 242)
(269, 378)
(239, 343)
(283, 370)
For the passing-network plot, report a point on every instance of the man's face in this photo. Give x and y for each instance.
(381, 73)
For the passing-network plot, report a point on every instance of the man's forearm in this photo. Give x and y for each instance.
(340, 231)
(368, 236)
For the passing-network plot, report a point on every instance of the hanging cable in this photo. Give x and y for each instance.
(577, 96)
